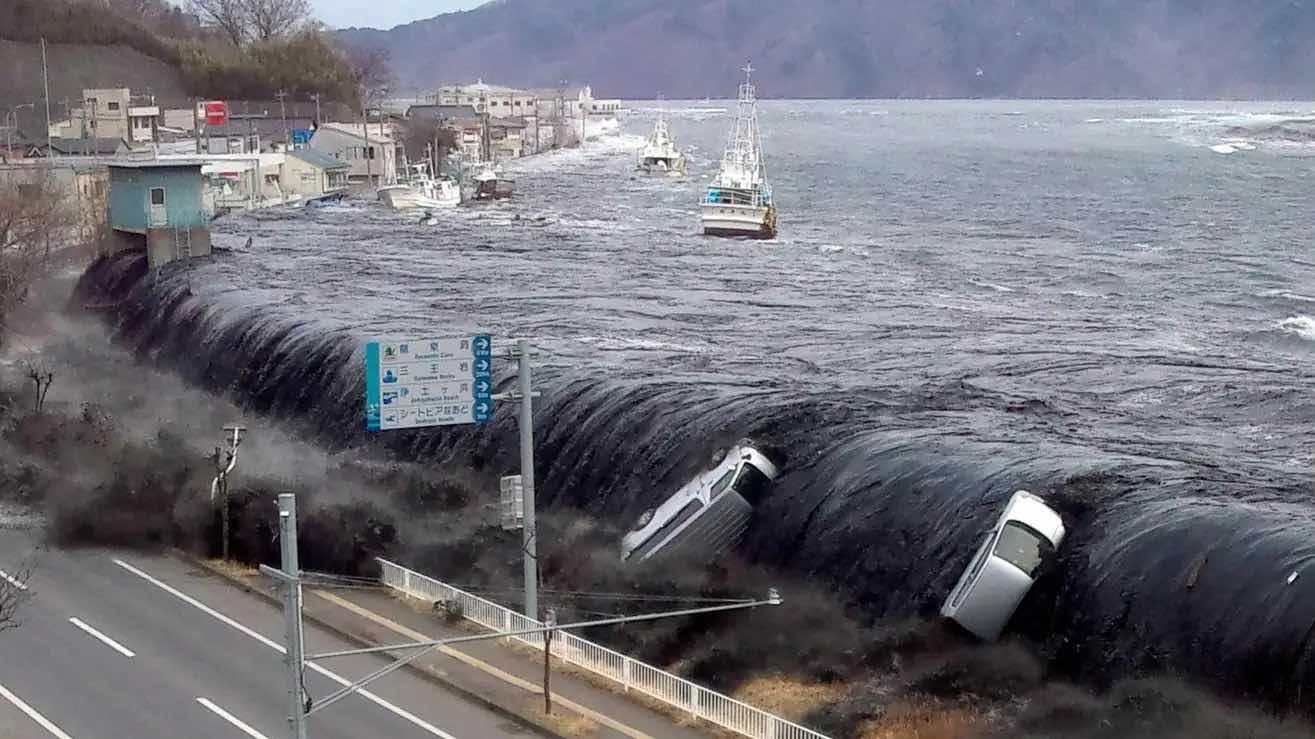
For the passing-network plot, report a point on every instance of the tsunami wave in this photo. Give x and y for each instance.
(1181, 565)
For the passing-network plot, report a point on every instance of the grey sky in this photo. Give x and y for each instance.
(384, 13)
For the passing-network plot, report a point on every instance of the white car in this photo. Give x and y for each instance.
(709, 514)
(1006, 564)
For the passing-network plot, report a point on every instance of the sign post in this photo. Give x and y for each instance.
(428, 382)
(449, 382)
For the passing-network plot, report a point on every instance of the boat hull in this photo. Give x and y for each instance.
(663, 167)
(406, 198)
(739, 221)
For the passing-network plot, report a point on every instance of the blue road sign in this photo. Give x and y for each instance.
(428, 382)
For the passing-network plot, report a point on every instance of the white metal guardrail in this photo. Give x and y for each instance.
(630, 674)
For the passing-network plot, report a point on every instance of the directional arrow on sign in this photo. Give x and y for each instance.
(481, 365)
(481, 344)
(482, 408)
(482, 387)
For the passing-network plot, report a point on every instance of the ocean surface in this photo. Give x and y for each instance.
(1108, 303)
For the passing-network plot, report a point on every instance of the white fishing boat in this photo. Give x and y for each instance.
(660, 155)
(420, 190)
(739, 199)
(490, 184)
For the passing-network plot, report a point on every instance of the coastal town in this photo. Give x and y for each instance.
(194, 163)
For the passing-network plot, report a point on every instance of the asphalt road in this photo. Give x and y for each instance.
(119, 645)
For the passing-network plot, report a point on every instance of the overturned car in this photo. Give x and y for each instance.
(1011, 555)
(709, 514)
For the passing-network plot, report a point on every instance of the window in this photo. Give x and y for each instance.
(371, 152)
(113, 106)
(157, 196)
(751, 483)
(721, 483)
(1023, 547)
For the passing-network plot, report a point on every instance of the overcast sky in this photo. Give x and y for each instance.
(384, 13)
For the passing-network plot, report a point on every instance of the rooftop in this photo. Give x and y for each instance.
(354, 129)
(154, 163)
(317, 159)
(480, 86)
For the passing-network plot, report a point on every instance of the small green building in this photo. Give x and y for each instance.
(159, 206)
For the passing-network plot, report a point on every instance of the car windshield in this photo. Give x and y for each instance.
(721, 483)
(1022, 547)
(751, 483)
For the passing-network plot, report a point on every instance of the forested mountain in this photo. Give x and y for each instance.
(871, 48)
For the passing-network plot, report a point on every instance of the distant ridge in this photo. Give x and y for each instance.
(871, 48)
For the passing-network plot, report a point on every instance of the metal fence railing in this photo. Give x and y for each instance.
(630, 674)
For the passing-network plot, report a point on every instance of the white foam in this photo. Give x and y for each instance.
(1303, 326)
(1224, 149)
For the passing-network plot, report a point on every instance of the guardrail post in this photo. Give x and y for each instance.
(406, 581)
(625, 673)
(694, 701)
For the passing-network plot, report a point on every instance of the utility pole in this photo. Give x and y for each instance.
(529, 541)
(283, 110)
(365, 124)
(219, 487)
(290, 576)
(316, 97)
(196, 124)
(549, 620)
(45, 77)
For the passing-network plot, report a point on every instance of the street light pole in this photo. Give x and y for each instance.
(292, 614)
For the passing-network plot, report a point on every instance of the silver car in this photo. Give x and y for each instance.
(709, 514)
(1006, 564)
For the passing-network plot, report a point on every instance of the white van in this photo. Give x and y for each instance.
(1006, 564)
(709, 514)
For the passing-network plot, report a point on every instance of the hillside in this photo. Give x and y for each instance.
(77, 66)
(871, 48)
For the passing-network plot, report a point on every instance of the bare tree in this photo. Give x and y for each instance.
(229, 16)
(33, 210)
(370, 73)
(267, 19)
(14, 592)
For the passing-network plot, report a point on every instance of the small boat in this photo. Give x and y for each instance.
(420, 190)
(739, 199)
(489, 184)
(660, 155)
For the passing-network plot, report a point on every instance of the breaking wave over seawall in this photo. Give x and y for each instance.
(1134, 371)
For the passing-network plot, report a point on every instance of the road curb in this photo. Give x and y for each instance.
(527, 719)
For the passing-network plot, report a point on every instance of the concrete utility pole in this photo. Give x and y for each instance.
(294, 638)
(529, 542)
(45, 77)
(283, 110)
(316, 98)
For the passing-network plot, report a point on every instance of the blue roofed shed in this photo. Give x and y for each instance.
(164, 202)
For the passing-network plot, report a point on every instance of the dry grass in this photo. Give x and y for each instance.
(561, 720)
(925, 719)
(233, 569)
(789, 698)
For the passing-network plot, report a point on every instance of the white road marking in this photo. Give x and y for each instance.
(395, 710)
(104, 639)
(230, 718)
(13, 580)
(54, 730)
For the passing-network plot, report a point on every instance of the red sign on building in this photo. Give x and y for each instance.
(216, 113)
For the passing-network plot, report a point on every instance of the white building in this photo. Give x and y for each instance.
(115, 113)
(573, 102)
(370, 155)
(497, 101)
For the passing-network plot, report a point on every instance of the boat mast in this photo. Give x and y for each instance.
(744, 151)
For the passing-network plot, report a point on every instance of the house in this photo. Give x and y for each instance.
(117, 113)
(369, 150)
(313, 175)
(159, 206)
(495, 100)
